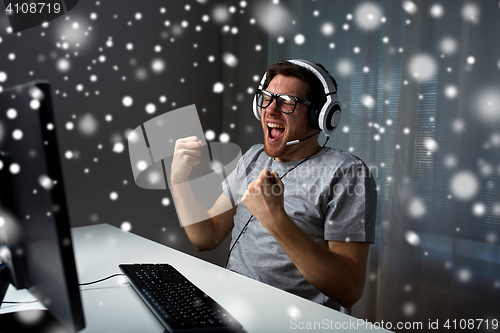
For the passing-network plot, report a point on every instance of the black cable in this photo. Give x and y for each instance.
(236, 241)
(246, 224)
(81, 284)
(106, 278)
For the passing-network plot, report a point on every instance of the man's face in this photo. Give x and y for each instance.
(280, 128)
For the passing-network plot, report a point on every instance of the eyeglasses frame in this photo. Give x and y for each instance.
(275, 97)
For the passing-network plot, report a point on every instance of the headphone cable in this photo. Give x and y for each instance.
(246, 224)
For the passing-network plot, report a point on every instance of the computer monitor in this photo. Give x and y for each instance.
(37, 251)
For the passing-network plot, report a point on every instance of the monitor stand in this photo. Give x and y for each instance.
(4, 281)
(28, 320)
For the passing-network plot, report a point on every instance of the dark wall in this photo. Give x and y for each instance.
(176, 54)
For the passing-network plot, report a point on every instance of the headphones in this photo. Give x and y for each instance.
(323, 115)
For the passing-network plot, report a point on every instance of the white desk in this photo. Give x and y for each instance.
(112, 306)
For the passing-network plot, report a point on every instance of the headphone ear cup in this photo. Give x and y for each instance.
(331, 119)
(257, 111)
(313, 115)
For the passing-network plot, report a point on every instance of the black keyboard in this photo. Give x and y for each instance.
(176, 301)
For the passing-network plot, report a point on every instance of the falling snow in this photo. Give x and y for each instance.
(224, 137)
(45, 182)
(150, 108)
(451, 91)
(410, 7)
(328, 29)
(118, 147)
(437, 10)
(230, 59)
(464, 185)
(35, 104)
(470, 12)
(17, 134)
(344, 67)
(487, 104)
(293, 312)
(448, 45)
(14, 168)
(88, 124)
(158, 66)
(63, 65)
(412, 238)
(126, 226)
(218, 87)
(127, 101)
(210, 135)
(299, 39)
(416, 208)
(119, 78)
(464, 275)
(368, 101)
(422, 67)
(431, 145)
(367, 16)
(273, 19)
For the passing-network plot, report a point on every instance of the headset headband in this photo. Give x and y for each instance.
(325, 118)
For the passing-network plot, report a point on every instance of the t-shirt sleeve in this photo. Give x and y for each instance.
(351, 210)
(229, 184)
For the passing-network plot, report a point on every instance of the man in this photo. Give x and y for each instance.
(310, 232)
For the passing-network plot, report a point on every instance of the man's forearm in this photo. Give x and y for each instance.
(195, 219)
(335, 275)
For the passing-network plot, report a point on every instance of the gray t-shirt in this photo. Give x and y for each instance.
(331, 196)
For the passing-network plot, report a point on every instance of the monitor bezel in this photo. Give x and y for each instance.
(17, 268)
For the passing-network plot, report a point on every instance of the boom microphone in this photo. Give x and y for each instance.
(289, 143)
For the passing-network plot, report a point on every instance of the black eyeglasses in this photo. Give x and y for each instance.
(285, 103)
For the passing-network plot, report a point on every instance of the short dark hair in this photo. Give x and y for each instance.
(316, 92)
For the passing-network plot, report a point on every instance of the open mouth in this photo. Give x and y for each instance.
(274, 131)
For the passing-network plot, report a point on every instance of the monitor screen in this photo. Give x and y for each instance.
(35, 236)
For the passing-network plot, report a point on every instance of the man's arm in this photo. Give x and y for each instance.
(205, 229)
(337, 271)
(209, 233)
